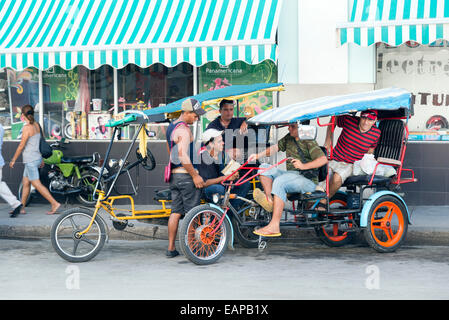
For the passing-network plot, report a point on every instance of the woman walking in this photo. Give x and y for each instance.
(32, 159)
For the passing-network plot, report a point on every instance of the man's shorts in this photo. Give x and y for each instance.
(343, 169)
(185, 196)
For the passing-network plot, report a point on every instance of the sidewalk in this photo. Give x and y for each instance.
(430, 225)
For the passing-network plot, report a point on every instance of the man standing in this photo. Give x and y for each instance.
(185, 182)
(227, 123)
(359, 136)
(5, 192)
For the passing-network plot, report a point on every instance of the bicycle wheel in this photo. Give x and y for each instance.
(387, 224)
(198, 242)
(332, 234)
(88, 182)
(69, 244)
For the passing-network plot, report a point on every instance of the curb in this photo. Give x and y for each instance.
(159, 232)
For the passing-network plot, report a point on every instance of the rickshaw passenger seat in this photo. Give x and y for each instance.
(306, 196)
(388, 150)
(164, 194)
(391, 140)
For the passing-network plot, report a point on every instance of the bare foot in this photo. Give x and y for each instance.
(54, 209)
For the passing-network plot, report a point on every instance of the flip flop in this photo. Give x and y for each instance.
(267, 234)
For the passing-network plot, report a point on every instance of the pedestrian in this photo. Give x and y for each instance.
(32, 158)
(185, 182)
(5, 192)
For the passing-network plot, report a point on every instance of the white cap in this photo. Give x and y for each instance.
(210, 134)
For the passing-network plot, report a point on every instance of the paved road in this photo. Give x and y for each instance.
(139, 270)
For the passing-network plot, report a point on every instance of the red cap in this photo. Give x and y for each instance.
(370, 114)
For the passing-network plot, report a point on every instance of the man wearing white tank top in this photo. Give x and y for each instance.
(5, 192)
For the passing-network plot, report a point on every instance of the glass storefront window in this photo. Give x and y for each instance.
(142, 88)
(422, 70)
(80, 102)
(22, 88)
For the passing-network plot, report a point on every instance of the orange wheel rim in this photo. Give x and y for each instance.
(382, 227)
(335, 236)
(200, 239)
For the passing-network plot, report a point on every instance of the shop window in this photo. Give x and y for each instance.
(17, 88)
(423, 70)
(157, 85)
(80, 101)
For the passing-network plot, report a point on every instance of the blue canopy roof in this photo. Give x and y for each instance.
(385, 99)
(210, 97)
(215, 96)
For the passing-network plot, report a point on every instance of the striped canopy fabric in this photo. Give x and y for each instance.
(388, 99)
(44, 33)
(395, 22)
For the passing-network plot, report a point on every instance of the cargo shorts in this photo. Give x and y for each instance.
(185, 196)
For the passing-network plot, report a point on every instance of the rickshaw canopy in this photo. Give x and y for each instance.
(390, 102)
(207, 98)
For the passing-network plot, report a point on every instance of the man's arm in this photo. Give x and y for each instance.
(317, 163)
(266, 153)
(182, 138)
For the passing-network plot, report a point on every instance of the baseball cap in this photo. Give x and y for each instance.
(370, 114)
(192, 105)
(210, 134)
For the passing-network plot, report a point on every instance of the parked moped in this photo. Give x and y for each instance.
(69, 176)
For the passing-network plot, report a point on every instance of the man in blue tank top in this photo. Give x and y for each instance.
(185, 182)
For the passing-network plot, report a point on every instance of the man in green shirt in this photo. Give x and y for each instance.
(305, 155)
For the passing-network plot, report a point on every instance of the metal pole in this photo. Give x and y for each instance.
(196, 128)
(115, 91)
(41, 102)
(136, 134)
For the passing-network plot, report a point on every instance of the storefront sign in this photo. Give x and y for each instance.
(214, 76)
(424, 71)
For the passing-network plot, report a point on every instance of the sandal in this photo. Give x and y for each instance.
(261, 199)
(321, 205)
(256, 232)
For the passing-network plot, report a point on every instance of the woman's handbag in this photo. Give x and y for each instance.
(44, 148)
(167, 171)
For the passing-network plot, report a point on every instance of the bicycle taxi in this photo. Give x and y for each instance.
(383, 217)
(80, 233)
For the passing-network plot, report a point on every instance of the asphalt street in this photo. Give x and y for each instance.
(134, 270)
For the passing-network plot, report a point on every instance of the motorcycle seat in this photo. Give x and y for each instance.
(81, 159)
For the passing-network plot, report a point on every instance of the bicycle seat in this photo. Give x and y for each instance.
(164, 194)
(82, 159)
(365, 179)
(306, 196)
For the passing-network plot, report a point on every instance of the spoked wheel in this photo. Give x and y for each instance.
(88, 182)
(67, 241)
(198, 241)
(244, 235)
(334, 234)
(387, 224)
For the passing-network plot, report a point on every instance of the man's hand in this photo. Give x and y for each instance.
(198, 181)
(298, 164)
(253, 157)
(244, 128)
(234, 176)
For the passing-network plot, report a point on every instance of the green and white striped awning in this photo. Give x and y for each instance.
(44, 33)
(395, 22)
